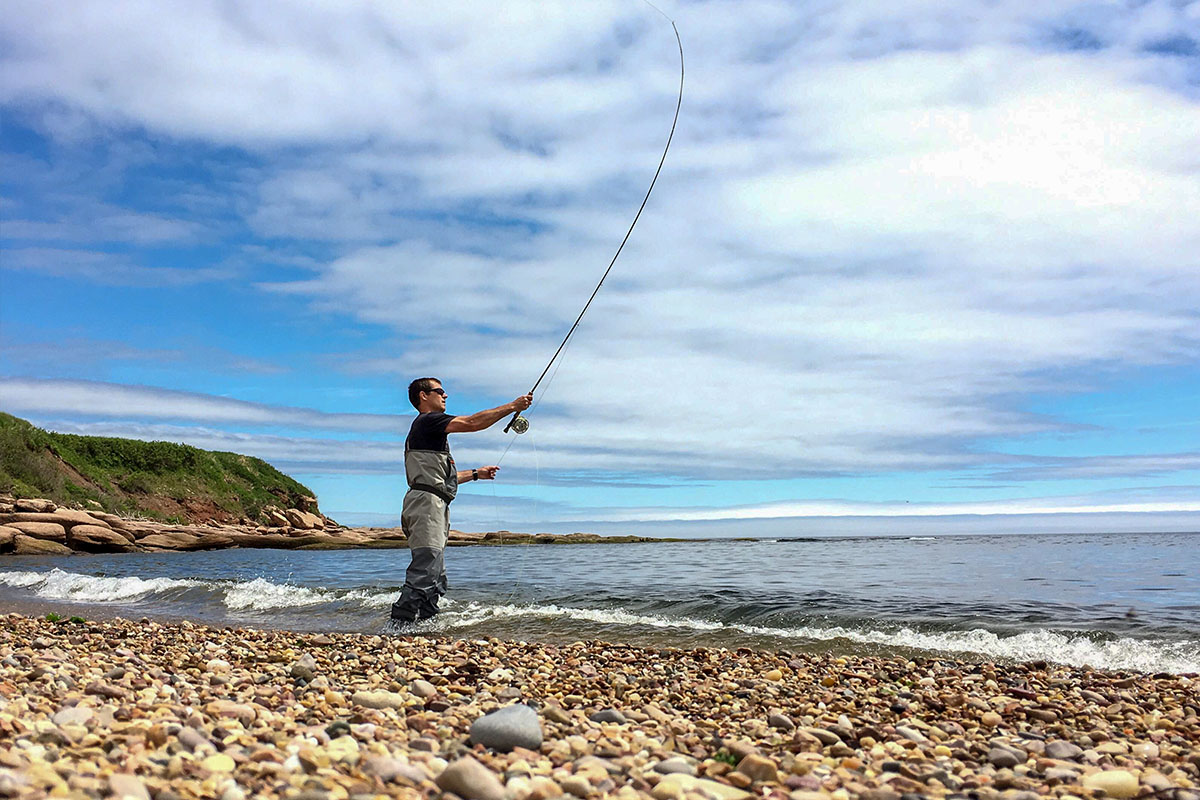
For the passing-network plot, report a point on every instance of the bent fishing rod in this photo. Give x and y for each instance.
(518, 423)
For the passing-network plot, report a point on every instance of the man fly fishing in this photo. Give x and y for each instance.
(432, 477)
(433, 481)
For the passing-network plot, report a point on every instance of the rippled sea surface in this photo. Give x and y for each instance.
(1121, 601)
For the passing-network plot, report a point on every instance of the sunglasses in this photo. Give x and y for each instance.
(439, 390)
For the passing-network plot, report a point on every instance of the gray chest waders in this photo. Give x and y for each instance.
(433, 483)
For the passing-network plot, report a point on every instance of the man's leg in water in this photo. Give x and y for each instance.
(424, 522)
(422, 586)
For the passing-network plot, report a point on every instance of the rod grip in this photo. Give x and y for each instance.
(508, 427)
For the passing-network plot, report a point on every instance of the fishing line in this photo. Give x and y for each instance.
(517, 421)
(537, 402)
(537, 480)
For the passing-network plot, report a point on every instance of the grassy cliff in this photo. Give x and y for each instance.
(158, 480)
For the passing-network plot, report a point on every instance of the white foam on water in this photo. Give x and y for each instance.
(253, 595)
(261, 594)
(1079, 650)
(1072, 649)
(475, 613)
(59, 584)
(380, 599)
(21, 579)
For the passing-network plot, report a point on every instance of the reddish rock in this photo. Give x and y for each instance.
(171, 541)
(28, 545)
(264, 540)
(112, 519)
(34, 504)
(296, 519)
(50, 531)
(64, 516)
(97, 539)
(303, 519)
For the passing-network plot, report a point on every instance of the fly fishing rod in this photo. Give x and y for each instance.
(519, 423)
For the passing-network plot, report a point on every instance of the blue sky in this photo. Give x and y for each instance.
(907, 264)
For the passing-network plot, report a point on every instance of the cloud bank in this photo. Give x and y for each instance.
(882, 231)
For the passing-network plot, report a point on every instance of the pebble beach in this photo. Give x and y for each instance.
(147, 709)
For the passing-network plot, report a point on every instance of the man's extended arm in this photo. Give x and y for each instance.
(481, 474)
(481, 420)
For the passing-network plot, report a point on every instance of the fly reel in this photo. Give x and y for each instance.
(520, 424)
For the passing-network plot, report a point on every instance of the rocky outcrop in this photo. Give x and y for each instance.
(38, 526)
(49, 531)
(99, 539)
(28, 545)
(303, 519)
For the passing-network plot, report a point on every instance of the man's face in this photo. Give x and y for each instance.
(435, 398)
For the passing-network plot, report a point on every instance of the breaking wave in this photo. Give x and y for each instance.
(358, 609)
(59, 584)
(261, 594)
(258, 594)
(1076, 649)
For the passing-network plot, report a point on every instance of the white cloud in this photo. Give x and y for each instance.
(119, 401)
(97, 266)
(894, 510)
(880, 227)
(74, 355)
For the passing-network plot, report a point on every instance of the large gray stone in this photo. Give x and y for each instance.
(1003, 757)
(304, 667)
(608, 715)
(1063, 751)
(675, 766)
(513, 726)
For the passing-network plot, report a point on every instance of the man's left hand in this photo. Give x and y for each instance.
(488, 473)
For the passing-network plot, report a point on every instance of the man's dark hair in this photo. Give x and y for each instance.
(420, 385)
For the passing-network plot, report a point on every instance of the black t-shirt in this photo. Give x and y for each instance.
(428, 432)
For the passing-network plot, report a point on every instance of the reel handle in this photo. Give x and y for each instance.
(518, 424)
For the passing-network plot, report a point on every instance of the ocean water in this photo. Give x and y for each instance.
(1117, 601)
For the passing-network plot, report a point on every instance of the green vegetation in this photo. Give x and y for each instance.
(156, 480)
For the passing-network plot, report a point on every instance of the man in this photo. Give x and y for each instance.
(433, 482)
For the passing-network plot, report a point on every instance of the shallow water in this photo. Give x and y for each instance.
(1121, 601)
